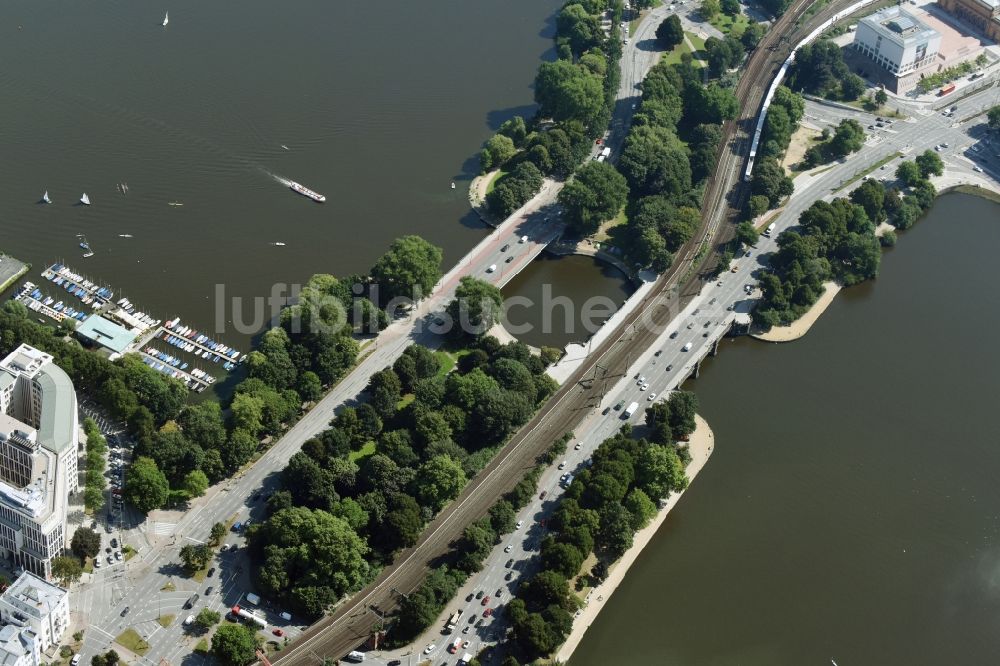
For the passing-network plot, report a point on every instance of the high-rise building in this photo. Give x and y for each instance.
(897, 41)
(38, 458)
(34, 615)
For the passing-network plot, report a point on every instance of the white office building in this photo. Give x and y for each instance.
(897, 41)
(38, 458)
(36, 604)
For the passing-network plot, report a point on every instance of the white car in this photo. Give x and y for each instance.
(508, 548)
(97, 563)
(492, 268)
(643, 387)
(519, 524)
(524, 239)
(687, 347)
(651, 397)
(977, 168)
(430, 648)
(562, 465)
(578, 446)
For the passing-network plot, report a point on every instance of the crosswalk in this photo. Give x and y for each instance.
(163, 529)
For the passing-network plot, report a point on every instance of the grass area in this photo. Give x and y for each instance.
(169, 587)
(166, 620)
(603, 232)
(405, 400)
(365, 451)
(496, 179)
(448, 360)
(858, 176)
(731, 25)
(88, 565)
(131, 640)
(866, 104)
(634, 23)
(129, 552)
(202, 646)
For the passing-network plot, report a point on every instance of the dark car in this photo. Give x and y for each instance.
(470, 597)
(673, 335)
(394, 662)
(499, 592)
(658, 352)
(670, 367)
(510, 574)
(509, 259)
(211, 572)
(209, 590)
(542, 494)
(124, 611)
(479, 594)
(510, 563)
(114, 542)
(505, 247)
(192, 600)
(606, 410)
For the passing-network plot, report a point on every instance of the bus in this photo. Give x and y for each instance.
(248, 617)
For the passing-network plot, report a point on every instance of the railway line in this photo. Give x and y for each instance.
(355, 619)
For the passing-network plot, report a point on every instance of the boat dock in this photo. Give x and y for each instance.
(189, 340)
(36, 301)
(196, 379)
(91, 294)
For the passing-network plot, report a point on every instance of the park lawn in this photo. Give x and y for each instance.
(131, 640)
(496, 179)
(448, 360)
(603, 233)
(368, 448)
(699, 54)
(129, 552)
(731, 25)
(166, 620)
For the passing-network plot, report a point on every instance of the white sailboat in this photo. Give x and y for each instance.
(85, 200)
(166, 18)
(45, 197)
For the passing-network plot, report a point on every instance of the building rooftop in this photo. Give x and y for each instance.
(15, 643)
(896, 22)
(105, 333)
(33, 595)
(58, 417)
(11, 428)
(25, 360)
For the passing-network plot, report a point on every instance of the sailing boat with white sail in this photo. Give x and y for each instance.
(45, 197)
(166, 18)
(85, 200)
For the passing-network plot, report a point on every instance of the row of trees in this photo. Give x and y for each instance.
(599, 513)
(94, 481)
(364, 488)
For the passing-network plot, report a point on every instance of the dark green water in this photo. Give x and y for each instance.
(381, 106)
(554, 291)
(851, 508)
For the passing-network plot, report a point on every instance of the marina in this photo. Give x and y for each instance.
(196, 379)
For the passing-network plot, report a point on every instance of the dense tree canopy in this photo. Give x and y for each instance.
(595, 194)
(409, 269)
(670, 32)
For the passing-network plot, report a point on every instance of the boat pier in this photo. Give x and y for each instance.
(196, 379)
(36, 301)
(91, 294)
(189, 340)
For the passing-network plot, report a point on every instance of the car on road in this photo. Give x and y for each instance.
(509, 547)
(110, 560)
(278, 632)
(125, 611)
(487, 612)
(643, 387)
(189, 620)
(492, 268)
(505, 247)
(669, 367)
(542, 494)
(211, 572)
(224, 548)
(519, 524)
(430, 648)
(735, 268)
(524, 239)
(605, 411)
(673, 335)
(577, 446)
(977, 168)
(687, 347)
(510, 574)
(508, 259)
(479, 594)
(658, 352)
(114, 542)
(209, 590)
(76, 659)
(464, 631)
(394, 662)
(641, 380)
(485, 600)
(562, 465)
(470, 597)
(499, 593)
(118, 555)
(651, 397)
(619, 405)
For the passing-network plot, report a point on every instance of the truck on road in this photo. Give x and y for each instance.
(630, 410)
(769, 230)
(453, 620)
(249, 617)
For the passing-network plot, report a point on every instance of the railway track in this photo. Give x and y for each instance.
(355, 619)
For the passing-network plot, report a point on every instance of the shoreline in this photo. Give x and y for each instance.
(801, 326)
(701, 445)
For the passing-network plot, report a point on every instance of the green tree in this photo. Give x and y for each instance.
(769, 180)
(195, 557)
(477, 306)
(66, 570)
(310, 387)
(217, 534)
(498, 150)
(595, 194)
(410, 268)
(881, 98)
(710, 9)
(654, 161)
(234, 644)
(746, 233)
(438, 481)
(929, 163)
(515, 129)
(640, 507)
(563, 558)
(207, 618)
(848, 138)
(86, 543)
(993, 117)
(670, 32)
(385, 390)
(195, 483)
(567, 91)
(502, 517)
(730, 7)
(909, 173)
(870, 195)
(852, 87)
(752, 35)
(146, 487)
(758, 205)
(659, 471)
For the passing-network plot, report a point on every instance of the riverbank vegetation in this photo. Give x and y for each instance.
(614, 496)
(836, 240)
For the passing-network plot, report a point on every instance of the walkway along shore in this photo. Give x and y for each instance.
(701, 446)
